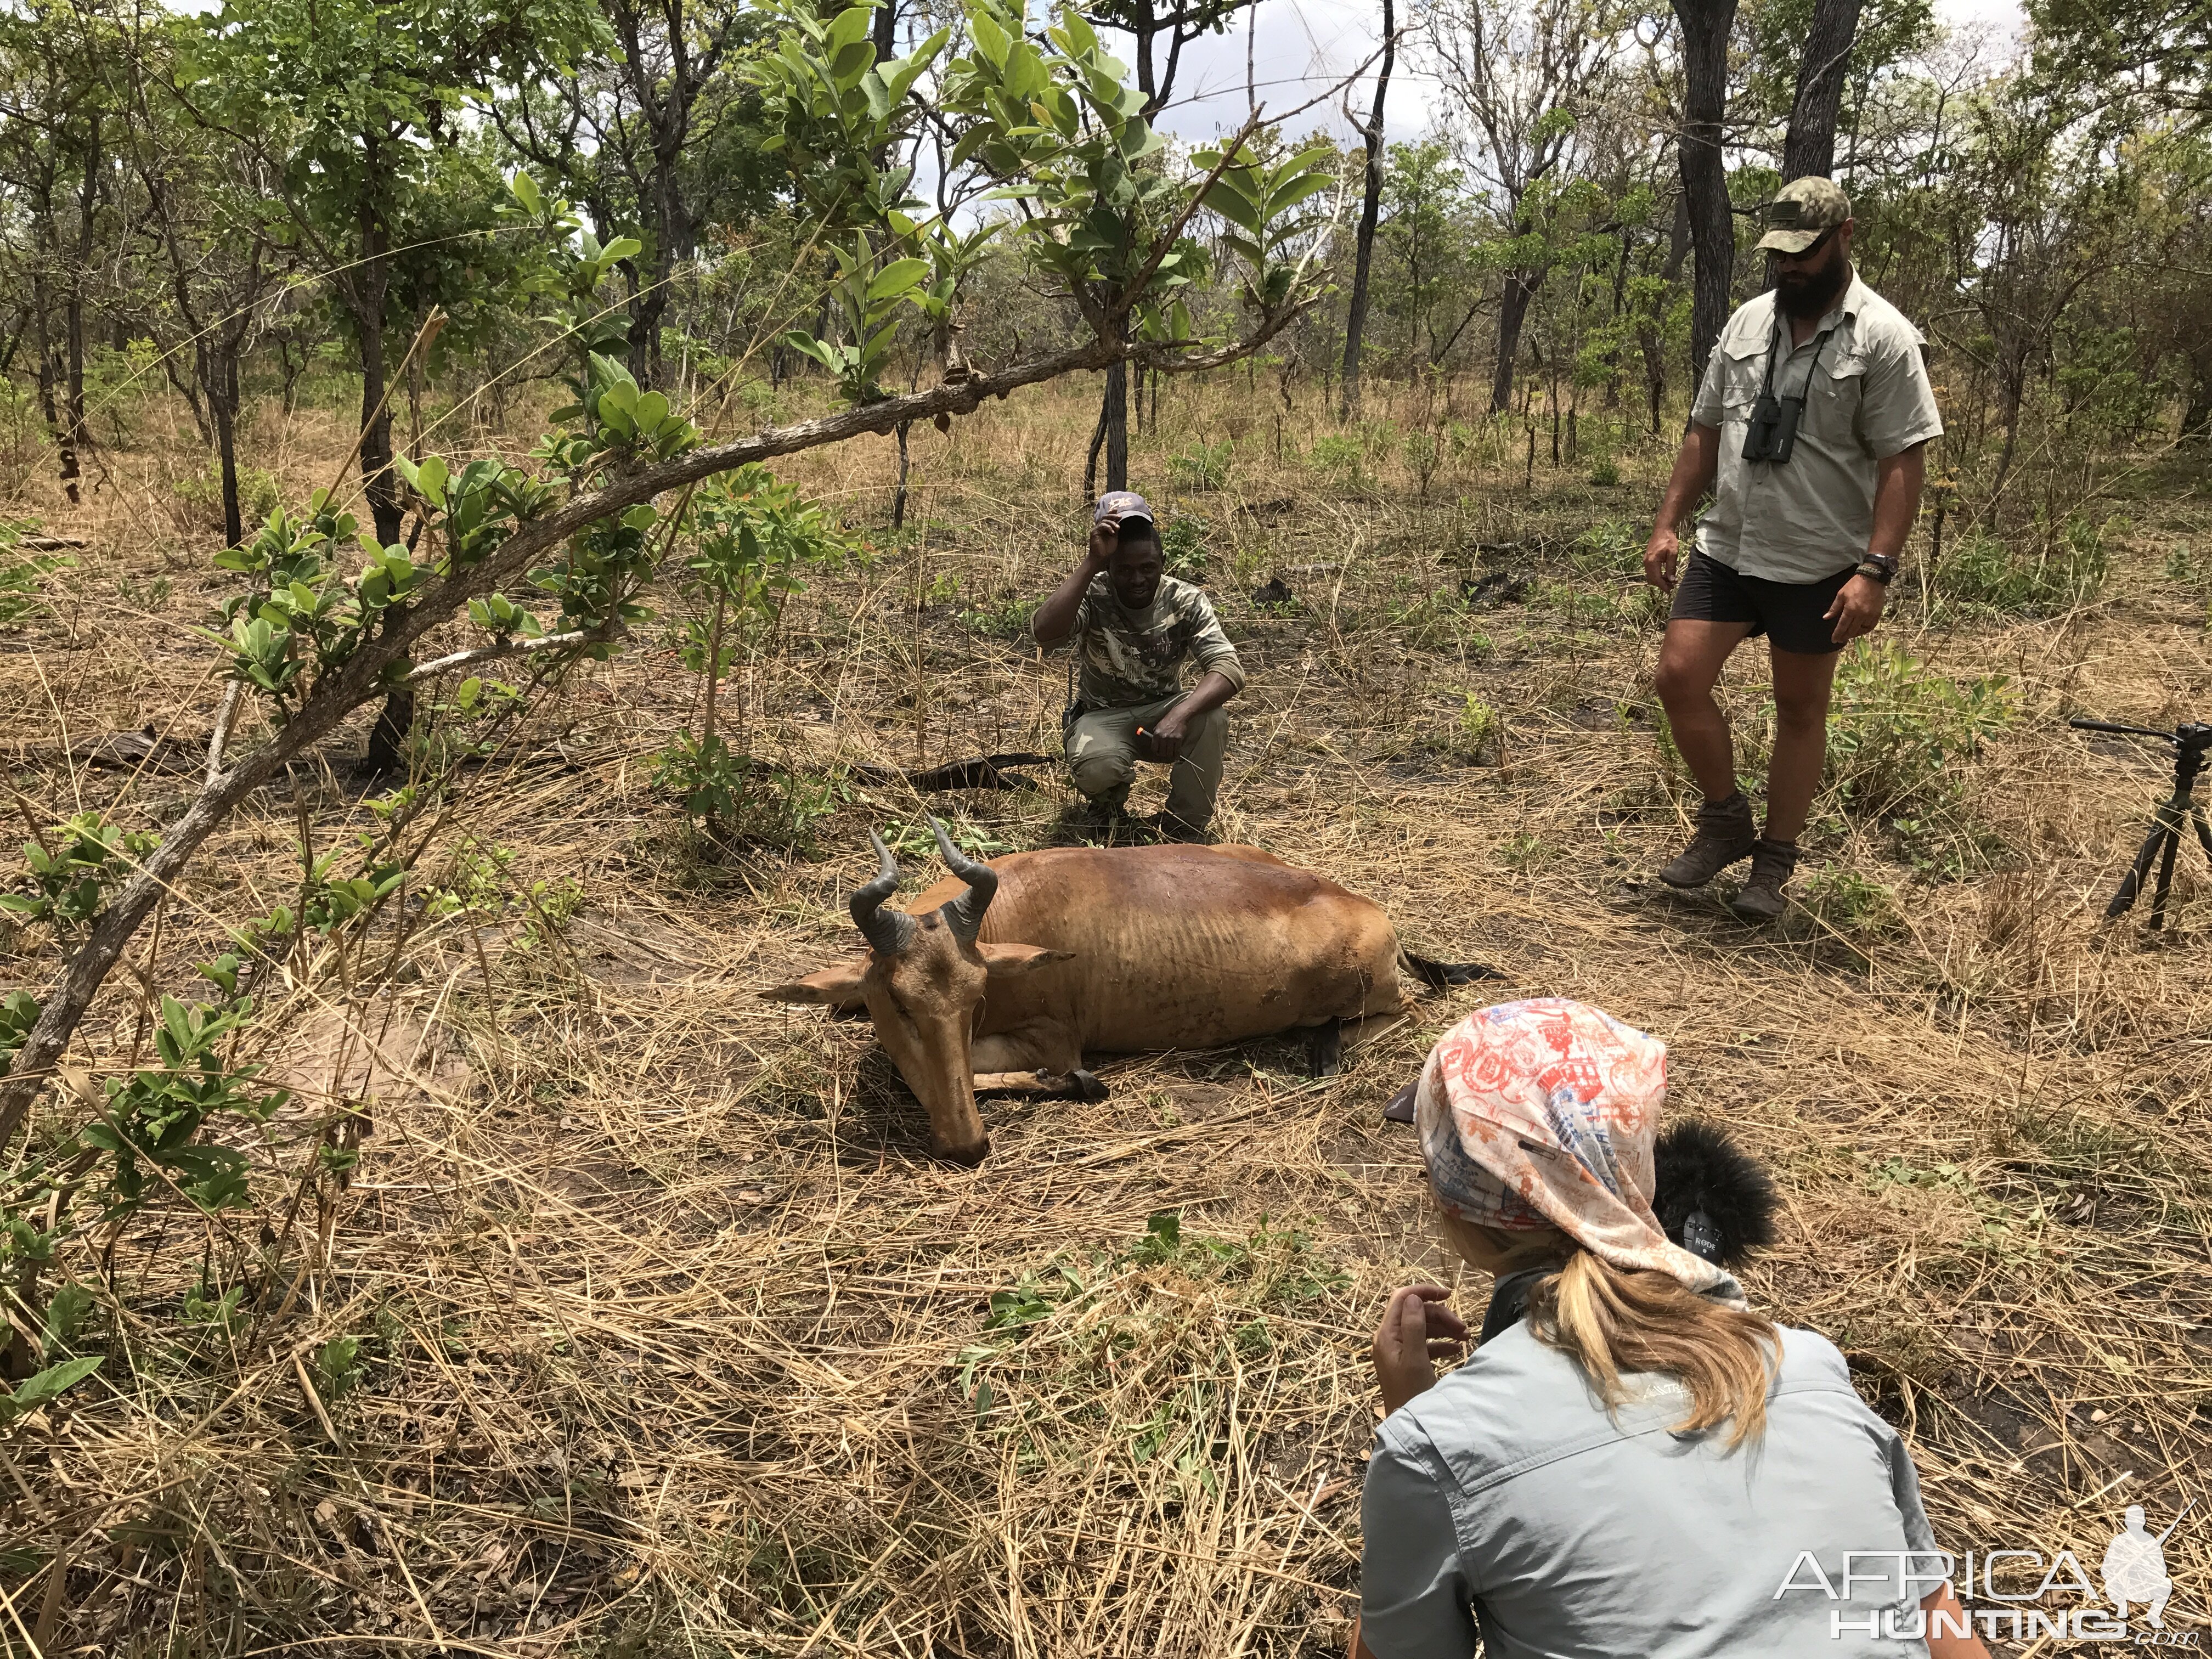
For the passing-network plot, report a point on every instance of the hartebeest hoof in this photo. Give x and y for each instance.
(1082, 1085)
(969, 1156)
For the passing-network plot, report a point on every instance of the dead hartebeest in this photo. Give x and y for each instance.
(1006, 974)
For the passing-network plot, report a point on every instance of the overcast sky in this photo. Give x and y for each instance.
(1300, 48)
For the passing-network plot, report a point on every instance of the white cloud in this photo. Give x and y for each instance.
(1300, 49)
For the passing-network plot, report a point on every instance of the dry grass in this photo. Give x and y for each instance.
(673, 1340)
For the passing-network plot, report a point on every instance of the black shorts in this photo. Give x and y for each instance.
(1790, 614)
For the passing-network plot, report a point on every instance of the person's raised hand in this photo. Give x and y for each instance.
(1856, 609)
(1419, 1328)
(1660, 554)
(1104, 534)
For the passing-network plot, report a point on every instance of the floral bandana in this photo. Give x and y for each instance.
(1542, 1113)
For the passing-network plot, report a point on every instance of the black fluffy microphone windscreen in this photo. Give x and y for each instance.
(1709, 1196)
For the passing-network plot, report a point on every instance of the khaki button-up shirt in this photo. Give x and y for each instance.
(1803, 520)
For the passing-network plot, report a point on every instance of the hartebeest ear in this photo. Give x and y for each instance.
(829, 986)
(1011, 961)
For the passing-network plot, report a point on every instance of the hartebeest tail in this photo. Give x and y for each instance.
(1436, 976)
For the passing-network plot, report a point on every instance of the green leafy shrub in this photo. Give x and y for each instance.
(1611, 547)
(23, 438)
(744, 800)
(1182, 546)
(1524, 850)
(1006, 618)
(1583, 606)
(73, 865)
(1605, 472)
(476, 882)
(1480, 728)
(1987, 572)
(1900, 734)
(1424, 454)
(35, 1390)
(1378, 439)
(1342, 457)
(1201, 465)
(22, 580)
(200, 497)
(337, 1367)
(1851, 902)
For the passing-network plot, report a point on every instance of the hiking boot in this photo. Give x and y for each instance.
(1172, 828)
(1726, 832)
(1101, 815)
(1760, 898)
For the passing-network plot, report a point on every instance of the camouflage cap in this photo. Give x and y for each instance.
(1802, 213)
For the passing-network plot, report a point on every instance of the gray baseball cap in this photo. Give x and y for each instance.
(1122, 504)
(1802, 213)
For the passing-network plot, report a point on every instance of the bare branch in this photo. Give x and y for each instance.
(219, 739)
(605, 634)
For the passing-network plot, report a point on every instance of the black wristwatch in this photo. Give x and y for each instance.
(1876, 569)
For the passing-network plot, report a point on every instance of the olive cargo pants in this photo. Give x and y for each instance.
(1102, 751)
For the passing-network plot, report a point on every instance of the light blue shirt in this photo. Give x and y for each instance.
(1506, 1497)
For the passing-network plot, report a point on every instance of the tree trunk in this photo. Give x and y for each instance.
(1655, 354)
(1117, 425)
(1810, 148)
(2196, 419)
(222, 410)
(48, 372)
(886, 30)
(379, 483)
(1512, 307)
(74, 437)
(72, 391)
(1098, 443)
(1705, 25)
(1370, 211)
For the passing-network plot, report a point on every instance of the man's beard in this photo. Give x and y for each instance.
(1816, 292)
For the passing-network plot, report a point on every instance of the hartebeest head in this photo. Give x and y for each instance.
(923, 983)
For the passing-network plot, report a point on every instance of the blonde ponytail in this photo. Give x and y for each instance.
(1614, 1322)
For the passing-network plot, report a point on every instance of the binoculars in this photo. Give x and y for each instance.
(1771, 433)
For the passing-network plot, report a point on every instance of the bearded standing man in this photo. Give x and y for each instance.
(1809, 430)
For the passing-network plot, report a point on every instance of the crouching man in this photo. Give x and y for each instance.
(1133, 628)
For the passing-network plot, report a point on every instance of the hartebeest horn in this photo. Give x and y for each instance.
(888, 931)
(965, 915)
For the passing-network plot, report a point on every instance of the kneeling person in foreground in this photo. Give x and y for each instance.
(1633, 1461)
(1133, 627)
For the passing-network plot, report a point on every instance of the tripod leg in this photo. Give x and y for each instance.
(2173, 840)
(2131, 883)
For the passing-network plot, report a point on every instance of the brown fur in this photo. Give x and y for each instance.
(1094, 950)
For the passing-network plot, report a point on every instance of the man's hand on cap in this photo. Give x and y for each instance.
(1104, 534)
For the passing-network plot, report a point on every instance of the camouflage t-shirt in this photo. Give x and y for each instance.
(1130, 657)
